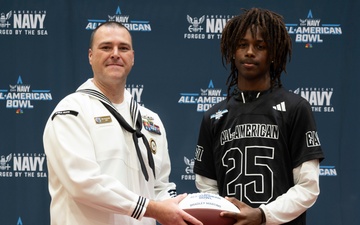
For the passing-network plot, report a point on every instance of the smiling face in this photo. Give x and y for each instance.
(111, 55)
(252, 62)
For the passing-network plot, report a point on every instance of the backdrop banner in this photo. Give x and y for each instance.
(179, 74)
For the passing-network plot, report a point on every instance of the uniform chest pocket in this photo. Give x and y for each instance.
(111, 142)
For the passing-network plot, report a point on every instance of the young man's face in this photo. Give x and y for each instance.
(253, 62)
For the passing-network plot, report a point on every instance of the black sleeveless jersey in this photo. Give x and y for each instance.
(252, 148)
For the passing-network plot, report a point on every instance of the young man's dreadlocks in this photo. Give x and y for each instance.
(273, 31)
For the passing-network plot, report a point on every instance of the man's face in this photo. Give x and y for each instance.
(111, 55)
(252, 61)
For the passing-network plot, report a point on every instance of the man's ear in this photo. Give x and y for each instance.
(89, 55)
(133, 62)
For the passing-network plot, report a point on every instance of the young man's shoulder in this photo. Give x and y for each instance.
(283, 93)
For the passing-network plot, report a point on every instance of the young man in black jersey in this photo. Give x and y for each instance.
(260, 146)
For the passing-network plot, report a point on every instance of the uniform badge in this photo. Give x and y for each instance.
(153, 146)
(149, 125)
(218, 114)
(102, 119)
(65, 112)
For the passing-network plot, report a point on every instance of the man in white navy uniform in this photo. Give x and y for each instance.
(107, 156)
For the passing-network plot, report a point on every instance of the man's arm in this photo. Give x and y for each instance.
(168, 212)
(298, 198)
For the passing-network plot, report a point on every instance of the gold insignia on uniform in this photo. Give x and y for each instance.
(102, 119)
(153, 146)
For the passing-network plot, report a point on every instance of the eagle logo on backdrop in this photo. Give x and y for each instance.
(195, 23)
(190, 165)
(189, 170)
(4, 20)
(213, 24)
(4, 162)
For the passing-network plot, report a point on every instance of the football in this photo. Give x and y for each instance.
(206, 207)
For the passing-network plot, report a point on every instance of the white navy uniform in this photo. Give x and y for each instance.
(94, 171)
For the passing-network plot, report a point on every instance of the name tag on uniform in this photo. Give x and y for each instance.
(102, 119)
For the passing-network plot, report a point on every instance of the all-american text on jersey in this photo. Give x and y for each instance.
(250, 130)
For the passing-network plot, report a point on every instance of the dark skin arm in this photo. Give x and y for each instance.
(247, 215)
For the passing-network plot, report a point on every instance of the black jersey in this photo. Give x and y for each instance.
(251, 148)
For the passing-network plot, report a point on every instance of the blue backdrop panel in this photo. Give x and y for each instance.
(178, 73)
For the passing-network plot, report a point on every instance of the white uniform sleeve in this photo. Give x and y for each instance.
(204, 184)
(298, 198)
